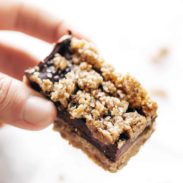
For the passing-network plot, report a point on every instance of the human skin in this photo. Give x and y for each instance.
(20, 106)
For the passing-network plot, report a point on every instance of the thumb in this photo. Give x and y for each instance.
(22, 107)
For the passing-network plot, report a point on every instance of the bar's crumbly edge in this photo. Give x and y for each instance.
(136, 96)
(69, 133)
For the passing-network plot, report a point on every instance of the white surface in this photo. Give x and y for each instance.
(128, 34)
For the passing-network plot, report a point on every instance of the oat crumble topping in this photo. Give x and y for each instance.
(60, 62)
(91, 90)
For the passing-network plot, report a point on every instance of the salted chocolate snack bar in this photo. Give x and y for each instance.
(107, 115)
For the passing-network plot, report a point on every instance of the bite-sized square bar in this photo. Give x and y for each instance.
(107, 115)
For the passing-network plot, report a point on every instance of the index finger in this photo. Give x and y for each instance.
(33, 21)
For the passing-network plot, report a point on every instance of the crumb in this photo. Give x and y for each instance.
(60, 62)
(158, 92)
(61, 178)
(46, 85)
(161, 55)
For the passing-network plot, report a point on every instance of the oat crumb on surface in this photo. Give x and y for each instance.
(161, 55)
(159, 92)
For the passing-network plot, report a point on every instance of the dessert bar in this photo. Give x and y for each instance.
(107, 115)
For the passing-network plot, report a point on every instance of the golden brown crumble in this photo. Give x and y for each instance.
(35, 77)
(46, 85)
(120, 143)
(137, 96)
(60, 62)
(109, 87)
(63, 89)
(89, 79)
(134, 124)
(92, 90)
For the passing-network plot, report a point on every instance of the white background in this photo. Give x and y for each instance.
(129, 33)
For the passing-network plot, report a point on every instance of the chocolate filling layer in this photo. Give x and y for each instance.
(112, 152)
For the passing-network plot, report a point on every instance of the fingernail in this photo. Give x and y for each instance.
(38, 111)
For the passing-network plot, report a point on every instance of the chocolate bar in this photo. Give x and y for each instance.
(107, 115)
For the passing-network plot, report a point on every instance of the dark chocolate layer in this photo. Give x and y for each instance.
(112, 152)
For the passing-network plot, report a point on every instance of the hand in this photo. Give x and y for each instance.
(19, 105)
